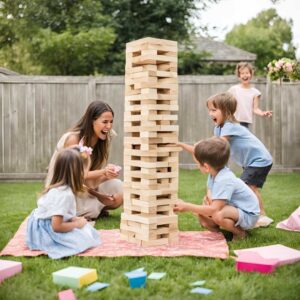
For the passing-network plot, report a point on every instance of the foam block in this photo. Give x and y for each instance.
(75, 277)
(137, 280)
(283, 254)
(9, 268)
(96, 286)
(253, 262)
(66, 295)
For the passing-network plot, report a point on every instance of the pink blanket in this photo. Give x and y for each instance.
(292, 223)
(191, 243)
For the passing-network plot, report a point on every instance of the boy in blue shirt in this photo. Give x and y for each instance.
(229, 203)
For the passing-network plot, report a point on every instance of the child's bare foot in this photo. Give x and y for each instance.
(240, 236)
(213, 229)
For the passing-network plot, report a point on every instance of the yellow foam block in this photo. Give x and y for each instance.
(75, 277)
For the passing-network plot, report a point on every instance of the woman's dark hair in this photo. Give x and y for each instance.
(86, 131)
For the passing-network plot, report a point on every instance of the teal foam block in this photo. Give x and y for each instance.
(75, 277)
(137, 279)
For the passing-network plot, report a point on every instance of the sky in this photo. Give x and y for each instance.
(227, 13)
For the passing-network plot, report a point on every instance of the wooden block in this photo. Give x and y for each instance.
(152, 41)
(129, 69)
(74, 277)
(9, 268)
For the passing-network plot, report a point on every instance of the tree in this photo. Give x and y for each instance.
(134, 19)
(267, 35)
(59, 37)
(82, 37)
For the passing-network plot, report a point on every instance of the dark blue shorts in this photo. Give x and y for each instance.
(245, 124)
(255, 175)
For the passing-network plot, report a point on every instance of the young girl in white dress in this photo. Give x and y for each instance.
(53, 226)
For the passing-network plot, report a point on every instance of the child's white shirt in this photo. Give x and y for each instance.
(245, 98)
(58, 201)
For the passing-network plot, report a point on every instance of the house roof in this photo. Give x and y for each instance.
(6, 72)
(221, 52)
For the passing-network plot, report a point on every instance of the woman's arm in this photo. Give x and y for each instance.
(58, 224)
(73, 139)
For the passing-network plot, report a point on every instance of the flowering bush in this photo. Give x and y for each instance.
(284, 68)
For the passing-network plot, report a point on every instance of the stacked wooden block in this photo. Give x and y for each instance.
(150, 163)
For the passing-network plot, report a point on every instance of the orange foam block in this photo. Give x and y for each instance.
(9, 268)
(66, 295)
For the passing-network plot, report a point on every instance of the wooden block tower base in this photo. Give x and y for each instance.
(150, 163)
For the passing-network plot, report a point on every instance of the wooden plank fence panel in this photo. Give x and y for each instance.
(37, 110)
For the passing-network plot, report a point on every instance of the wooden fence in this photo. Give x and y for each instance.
(35, 111)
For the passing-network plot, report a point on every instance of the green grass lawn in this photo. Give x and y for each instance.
(281, 196)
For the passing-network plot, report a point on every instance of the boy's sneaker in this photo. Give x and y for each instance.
(263, 221)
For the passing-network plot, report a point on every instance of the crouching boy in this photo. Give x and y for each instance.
(229, 203)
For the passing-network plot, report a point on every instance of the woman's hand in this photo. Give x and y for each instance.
(112, 171)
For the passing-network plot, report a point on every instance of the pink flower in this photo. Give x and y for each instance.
(288, 67)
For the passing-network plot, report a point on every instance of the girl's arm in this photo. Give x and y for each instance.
(258, 111)
(204, 210)
(58, 224)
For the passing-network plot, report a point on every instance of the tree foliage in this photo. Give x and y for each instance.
(83, 37)
(60, 37)
(267, 35)
(166, 19)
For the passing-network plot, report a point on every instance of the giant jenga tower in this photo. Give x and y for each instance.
(150, 164)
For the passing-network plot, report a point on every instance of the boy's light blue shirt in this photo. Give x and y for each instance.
(245, 148)
(226, 186)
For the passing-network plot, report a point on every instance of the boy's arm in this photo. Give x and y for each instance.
(186, 147)
(204, 210)
(258, 111)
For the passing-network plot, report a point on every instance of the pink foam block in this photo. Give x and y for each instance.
(253, 262)
(283, 254)
(9, 268)
(66, 295)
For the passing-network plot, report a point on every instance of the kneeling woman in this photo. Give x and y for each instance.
(94, 130)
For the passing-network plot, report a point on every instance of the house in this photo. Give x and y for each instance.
(7, 72)
(221, 52)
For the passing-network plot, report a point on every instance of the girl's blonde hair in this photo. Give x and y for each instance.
(243, 65)
(69, 170)
(226, 103)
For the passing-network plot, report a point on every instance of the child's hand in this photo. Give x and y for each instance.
(267, 113)
(180, 206)
(207, 200)
(80, 221)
